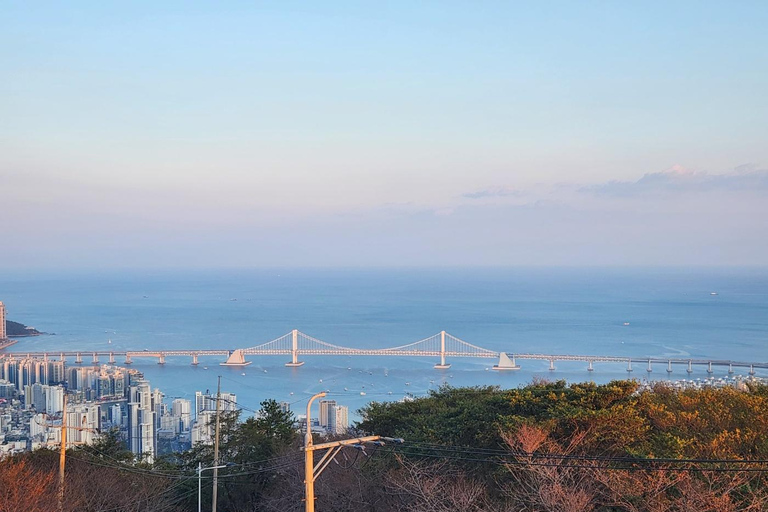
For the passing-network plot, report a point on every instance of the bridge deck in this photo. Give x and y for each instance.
(133, 354)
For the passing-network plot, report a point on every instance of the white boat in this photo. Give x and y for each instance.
(362, 393)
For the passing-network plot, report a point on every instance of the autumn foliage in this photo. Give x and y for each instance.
(545, 447)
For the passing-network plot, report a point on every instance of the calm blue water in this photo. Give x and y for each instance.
(579, 311)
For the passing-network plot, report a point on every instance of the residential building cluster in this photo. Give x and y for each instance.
(334, 418)
(103, 398)
(99, 398)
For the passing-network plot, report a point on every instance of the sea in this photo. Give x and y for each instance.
(719, 313)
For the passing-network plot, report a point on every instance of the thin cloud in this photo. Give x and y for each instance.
(493, 192)
(680, 179)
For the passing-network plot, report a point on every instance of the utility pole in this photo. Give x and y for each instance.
(63, 453)
(63, 449)
(216, 449)
(312, 470)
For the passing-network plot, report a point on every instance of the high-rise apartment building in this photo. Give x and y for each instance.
(54, 399)
(338, 419)
(141, 421)
(86, 417)
(326, 406)
(181, 411)
(3, 331)
(206, 402)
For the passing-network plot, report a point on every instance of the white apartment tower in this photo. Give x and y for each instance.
(338, 419)
(3, 331)
(141, 421)
(326, 407)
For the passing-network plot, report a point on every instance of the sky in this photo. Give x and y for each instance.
(239, 134)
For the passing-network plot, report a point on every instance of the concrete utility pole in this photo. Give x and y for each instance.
(312, 470)
(63, 450)
(63, 453)
(216, 449)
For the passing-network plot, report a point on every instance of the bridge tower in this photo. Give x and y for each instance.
(294, 350)
(505, 363)
(235, 358)
(442, 365)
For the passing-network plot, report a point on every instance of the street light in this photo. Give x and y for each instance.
(200, 470)
(312, 470)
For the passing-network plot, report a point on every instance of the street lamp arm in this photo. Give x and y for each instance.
(200, 470)
(344, 442)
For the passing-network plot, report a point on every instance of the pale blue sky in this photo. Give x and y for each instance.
(370, 133)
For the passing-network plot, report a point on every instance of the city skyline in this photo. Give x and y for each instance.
(435, 134)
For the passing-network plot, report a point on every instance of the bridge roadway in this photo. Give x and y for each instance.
(110, 355)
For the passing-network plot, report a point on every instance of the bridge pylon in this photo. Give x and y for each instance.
(294, 362)
(236, 358)
(442, 365)
(505, 363)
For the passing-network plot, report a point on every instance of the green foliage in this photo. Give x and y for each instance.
(248, 445)
(109, 445)
(616, 418)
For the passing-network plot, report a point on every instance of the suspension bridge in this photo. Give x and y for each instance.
(442, 345)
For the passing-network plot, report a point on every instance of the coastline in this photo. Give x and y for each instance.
(7, 343)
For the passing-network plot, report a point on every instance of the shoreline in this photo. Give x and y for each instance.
(7, 343)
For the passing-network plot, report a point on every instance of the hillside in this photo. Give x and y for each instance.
(15, 329)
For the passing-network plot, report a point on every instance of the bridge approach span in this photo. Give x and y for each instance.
(440, 345)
